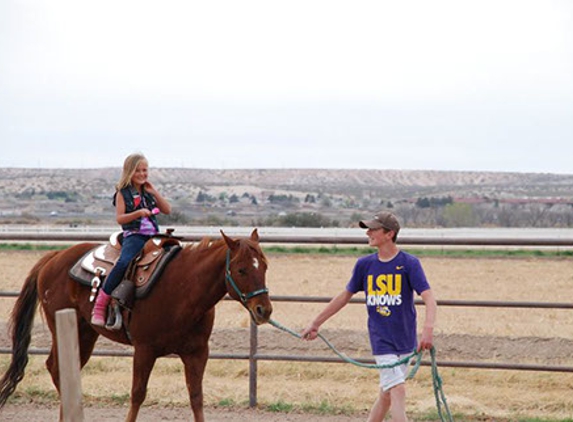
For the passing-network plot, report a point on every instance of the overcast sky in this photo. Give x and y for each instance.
(448, 85)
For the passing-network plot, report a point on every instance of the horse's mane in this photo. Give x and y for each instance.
(206, 244)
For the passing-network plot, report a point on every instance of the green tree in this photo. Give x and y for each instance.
(204, 197)
(423, 203)
(459, 215)
(310, 198)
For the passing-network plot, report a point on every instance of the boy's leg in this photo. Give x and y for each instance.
(398, 403)
(380, 407)
(392, 390)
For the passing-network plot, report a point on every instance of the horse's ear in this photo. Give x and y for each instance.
(255, 236)
(232, 244)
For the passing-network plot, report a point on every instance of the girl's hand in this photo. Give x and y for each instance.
(150, 188)
(144, 212)
(162, 205)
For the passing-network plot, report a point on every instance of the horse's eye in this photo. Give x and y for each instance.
(242, 271)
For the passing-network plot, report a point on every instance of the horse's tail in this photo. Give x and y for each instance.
(21, 323)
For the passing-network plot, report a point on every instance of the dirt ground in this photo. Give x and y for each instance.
(528, 336)
(33, 413)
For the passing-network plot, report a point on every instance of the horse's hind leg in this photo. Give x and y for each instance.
(143, 361)
(87, 338)
(194, 369)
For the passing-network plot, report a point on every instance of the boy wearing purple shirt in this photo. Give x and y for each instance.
(388, 279)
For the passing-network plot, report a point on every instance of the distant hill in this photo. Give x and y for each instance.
(394, 183)
(244, 196)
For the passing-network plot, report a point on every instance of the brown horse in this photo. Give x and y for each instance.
(175, 318)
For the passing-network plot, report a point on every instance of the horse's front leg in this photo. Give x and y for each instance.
(194, 369)
(143, 361)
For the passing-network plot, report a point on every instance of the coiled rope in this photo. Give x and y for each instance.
(441, 403)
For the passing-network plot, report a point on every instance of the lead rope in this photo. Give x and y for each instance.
(436, 379)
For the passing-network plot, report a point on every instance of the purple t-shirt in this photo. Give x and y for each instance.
(389, 289)
(147, 228)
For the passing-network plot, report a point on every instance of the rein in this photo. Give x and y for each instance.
(436, 379)
(244, 297)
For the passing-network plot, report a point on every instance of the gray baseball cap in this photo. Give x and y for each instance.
(383, 219)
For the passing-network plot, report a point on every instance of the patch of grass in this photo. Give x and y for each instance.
(423, 252)
(358, 251)
(31, 247)
(324, 250)
(113, 399)
(432, 416)
(120, 399)
(40, 395)
(326, 408)
(323, 408)
(279, 407)
(491, 253)
(226, 403)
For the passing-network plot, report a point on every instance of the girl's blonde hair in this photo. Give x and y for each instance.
(129, 166)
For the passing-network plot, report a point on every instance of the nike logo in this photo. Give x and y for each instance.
(400, 267)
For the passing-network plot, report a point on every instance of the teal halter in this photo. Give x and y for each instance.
(244, 297)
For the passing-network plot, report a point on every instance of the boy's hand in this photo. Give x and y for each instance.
(309, 333)
(427, 339)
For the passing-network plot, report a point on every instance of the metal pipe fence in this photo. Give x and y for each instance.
(254, 356)
(305, 239)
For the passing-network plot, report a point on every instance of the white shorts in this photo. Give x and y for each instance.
(391, 377)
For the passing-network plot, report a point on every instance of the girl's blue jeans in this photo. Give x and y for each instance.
(130, 247)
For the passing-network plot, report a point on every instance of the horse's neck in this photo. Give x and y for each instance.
(210, 279)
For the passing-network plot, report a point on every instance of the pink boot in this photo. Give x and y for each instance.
(100, 308)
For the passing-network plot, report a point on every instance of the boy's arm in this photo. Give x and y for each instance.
(336, 304)
(427, 338)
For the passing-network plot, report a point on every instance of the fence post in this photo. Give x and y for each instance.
(69, 364)
(253, 373)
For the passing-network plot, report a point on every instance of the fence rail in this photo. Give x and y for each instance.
(254, 357)
(316, 299)
(338, 239)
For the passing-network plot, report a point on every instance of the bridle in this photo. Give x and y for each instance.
(244, 297)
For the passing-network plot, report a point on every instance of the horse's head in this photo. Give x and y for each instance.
(245, 276)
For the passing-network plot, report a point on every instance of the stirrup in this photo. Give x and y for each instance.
(114, 319)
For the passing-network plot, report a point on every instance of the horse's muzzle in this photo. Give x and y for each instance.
(261, 310)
